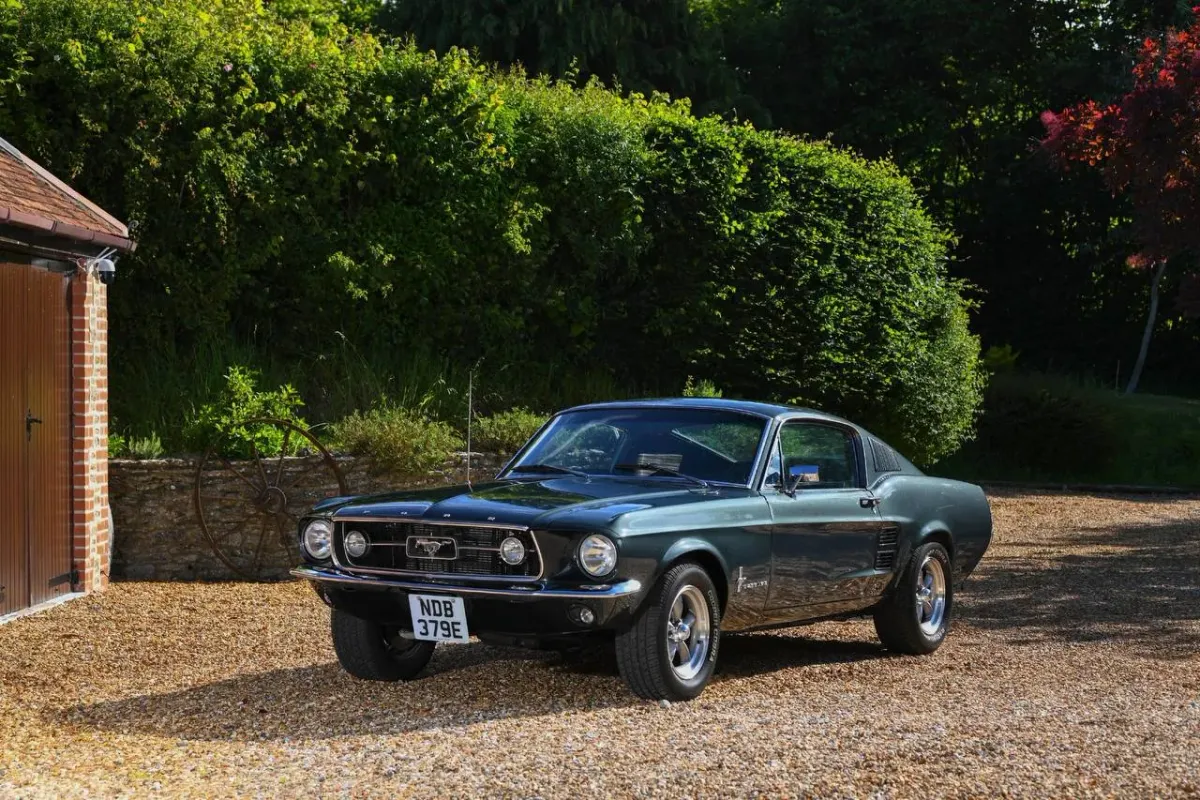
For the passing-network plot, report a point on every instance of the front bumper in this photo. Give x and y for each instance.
(515, 612)
(600, 591)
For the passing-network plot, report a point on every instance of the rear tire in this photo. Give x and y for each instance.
(375, 652)
(670, 651)
(915, 617)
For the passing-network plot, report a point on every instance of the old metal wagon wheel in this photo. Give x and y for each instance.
(249, 510)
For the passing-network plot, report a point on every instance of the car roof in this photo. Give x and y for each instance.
(769, 410)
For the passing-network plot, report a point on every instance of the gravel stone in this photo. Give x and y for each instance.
(1073, 669)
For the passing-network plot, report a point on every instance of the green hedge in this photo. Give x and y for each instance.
(1037, 427)
(302, 190)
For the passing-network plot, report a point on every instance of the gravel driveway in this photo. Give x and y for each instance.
(1073, 669)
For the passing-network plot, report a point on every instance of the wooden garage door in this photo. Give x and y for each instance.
(35, 428)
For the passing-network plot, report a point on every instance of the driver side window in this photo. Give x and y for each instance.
(821, 456)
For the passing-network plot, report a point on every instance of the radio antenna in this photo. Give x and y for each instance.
(470, 416)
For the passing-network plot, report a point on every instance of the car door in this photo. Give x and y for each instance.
(825, 532)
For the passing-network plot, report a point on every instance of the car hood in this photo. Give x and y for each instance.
(562, 502)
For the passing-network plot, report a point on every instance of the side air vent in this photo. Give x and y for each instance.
(885, 550)
(884, 456)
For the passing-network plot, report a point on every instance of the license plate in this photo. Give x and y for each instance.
(438, 618)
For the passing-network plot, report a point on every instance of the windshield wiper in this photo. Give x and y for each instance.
(659, 469)
(549, 468)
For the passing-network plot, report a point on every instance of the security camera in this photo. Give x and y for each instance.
(105, 269)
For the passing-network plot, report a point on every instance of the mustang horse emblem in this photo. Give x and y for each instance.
(430, 546)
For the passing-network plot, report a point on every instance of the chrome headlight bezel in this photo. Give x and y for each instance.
(317, 539)
(596, 555)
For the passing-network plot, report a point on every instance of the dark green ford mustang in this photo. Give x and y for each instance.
(652, 527)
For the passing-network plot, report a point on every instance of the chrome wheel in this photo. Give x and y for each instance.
(931, 595)
(689, 627)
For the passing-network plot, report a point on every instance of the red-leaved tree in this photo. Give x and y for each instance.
(1147, 146)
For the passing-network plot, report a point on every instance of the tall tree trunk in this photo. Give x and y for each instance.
(1151, 317)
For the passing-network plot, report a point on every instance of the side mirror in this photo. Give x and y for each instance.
(796, 475)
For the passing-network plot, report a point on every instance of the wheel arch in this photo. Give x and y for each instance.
(940, 533)
(933, 531)
(704, 554)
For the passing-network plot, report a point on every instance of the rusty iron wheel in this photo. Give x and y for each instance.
(249, 510)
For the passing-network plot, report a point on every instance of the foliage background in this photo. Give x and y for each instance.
(950, 90)
(371, 221)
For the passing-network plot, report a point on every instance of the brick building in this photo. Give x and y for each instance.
(56, 253)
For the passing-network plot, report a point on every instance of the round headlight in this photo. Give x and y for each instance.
(512, 551)
(317, 537)
(356, 544)
(597, 555)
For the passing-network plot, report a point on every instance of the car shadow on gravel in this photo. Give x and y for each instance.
(1137, 585)
(465, 684)
(746, 655)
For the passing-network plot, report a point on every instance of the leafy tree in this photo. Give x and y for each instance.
(951, 91)
(357, 14)
(643, 45)
(1147, 146)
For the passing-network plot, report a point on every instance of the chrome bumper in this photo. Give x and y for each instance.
(602, 591)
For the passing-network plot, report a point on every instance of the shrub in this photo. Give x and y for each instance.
(507, 431)
(116, 445)
(228, 419)
(700, 388)
(1000, 359)
(145, 447)
(1043, 427)
(397, 439)
(811, 276)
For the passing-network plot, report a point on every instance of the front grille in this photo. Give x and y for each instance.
(885, 552)
(475, 552)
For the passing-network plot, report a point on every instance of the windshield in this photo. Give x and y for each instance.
(703, 444)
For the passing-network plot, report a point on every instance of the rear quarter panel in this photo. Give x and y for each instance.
(924, 506)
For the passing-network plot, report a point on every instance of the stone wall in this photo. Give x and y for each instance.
(248, 512)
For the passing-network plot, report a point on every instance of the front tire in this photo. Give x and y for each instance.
(915, 617)
(375, 652)
(671, 649)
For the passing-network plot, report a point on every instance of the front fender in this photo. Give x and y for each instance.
(741, 605)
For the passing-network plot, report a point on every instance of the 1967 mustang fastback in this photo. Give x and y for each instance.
(652, 527)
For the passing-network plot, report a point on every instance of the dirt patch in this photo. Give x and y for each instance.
(1073, 669)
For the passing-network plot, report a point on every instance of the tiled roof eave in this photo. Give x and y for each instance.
(19, 219)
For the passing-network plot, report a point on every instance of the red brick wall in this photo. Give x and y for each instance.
(89, 400)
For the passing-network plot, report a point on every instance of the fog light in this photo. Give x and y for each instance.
(582, 615)
(512, 551)
(356, 544)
